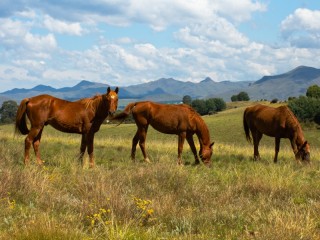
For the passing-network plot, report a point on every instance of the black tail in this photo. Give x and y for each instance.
(246, 127)
(21, 118)
(124, 114)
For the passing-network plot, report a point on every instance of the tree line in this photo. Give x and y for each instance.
(306, 108)
(205, 106)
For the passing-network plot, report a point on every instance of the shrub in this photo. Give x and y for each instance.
(242, 96)
(305, 108)
(209, 106)
(8, 111)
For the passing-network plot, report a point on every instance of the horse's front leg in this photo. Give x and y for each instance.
(181, 138)
(90, 138)
(295, 150)
(193, 148)
(277, 148)
(83, 147)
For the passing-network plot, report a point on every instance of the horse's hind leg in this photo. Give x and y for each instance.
(142, 134)
(135, 141)
(36, 147)
(256, 140)
(32, 139)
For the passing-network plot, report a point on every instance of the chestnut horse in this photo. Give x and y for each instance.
(83, 116)
(181, 120)
(278, 123)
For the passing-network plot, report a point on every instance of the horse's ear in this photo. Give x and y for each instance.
(108, 90)
(305, 144)
(211, 144)
(116, 90)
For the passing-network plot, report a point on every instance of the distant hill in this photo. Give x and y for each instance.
(163, 90)
(292, 83)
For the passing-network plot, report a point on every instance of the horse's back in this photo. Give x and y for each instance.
(268, 120)
(166, 118)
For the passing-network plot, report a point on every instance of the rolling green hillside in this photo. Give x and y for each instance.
(235, 199)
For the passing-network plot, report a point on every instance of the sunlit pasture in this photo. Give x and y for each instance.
(235, 199)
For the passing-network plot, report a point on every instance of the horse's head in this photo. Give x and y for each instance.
(205, 154)
(112, 100)
(303, 152)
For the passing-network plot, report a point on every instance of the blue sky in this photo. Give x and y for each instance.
(124, 42)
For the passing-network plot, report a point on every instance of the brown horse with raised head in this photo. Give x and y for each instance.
(83, 116)
(180, 119)
(278, 123)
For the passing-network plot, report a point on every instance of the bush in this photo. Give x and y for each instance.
(306, 109)
(313, 91)
(8, 111)
(209, 106)
(242, 96)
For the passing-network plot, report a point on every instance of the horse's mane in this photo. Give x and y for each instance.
(195, 115)
(291, 119)
(91, 103)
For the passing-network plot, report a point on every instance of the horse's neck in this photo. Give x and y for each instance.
(98, 109)
(296, 127)
(299, 136)
(203, 133)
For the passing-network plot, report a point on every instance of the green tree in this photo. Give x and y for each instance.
(187, 100)
(313, 91)
(220, 104)
(243, 96)
(200, 106)
(234, 98)
(8, 111)
(211, 105)
(305, 108)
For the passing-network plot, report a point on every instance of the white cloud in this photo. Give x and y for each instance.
(62, 27)
(40, 43)
(302, 28)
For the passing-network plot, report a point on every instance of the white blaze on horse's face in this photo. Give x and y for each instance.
(113, 102)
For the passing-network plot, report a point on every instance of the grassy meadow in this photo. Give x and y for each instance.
(235, 199)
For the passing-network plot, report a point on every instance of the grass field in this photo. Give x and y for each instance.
(235, 199)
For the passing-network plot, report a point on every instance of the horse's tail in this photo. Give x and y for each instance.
(125, 113)
(246, 127)
(21, 118)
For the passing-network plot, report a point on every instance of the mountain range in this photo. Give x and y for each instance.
(290, 84)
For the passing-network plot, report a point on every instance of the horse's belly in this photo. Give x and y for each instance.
(66, 127)
(169, 128)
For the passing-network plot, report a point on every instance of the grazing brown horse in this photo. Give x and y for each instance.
(83, 116)
(278, 123)
(181, 120)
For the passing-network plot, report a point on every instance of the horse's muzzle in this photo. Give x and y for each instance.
(306, 157)
(111, 113)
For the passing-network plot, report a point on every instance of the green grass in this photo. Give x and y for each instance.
(235, 199)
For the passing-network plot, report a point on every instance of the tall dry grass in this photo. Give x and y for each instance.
(236, 199)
